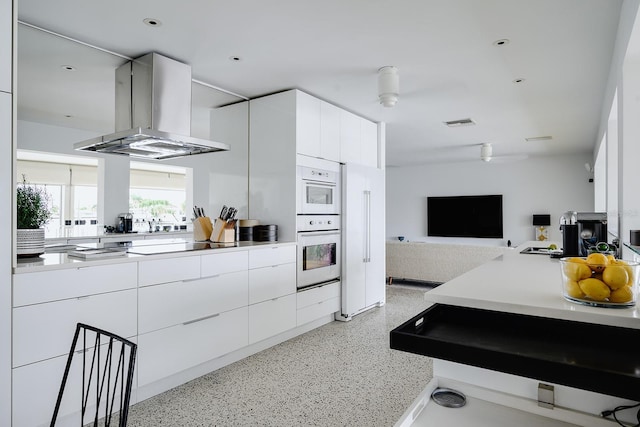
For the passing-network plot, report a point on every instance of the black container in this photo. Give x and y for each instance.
(265, 233)
(244, 234)
(634, 237)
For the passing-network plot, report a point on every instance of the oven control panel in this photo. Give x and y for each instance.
(318, 222)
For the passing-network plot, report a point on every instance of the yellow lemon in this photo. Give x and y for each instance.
(576, 271)
(623, 294)
(576, 259)
(597, 261)
(615, 276)
(573, 289)
(611, 258)
(595, 289)
(629, 270)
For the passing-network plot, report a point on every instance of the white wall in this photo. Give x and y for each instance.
(551, 185)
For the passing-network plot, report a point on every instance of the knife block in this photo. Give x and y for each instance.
(223, 231)
(202, 229)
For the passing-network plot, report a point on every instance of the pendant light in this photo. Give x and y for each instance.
(486, 152)
(388, 86)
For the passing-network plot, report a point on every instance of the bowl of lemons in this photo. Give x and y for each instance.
(600, 280)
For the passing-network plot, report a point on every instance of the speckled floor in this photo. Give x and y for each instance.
(341, 374)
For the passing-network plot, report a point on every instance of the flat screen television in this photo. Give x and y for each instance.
(465, 216)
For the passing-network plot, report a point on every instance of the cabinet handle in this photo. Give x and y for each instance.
(201, 319)
(205, 277)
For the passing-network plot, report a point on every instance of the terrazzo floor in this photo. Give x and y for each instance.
(341, 374)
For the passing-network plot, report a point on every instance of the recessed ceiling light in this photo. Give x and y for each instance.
(539, 138)
(68, 116)
(235, 58)
(520, 80)
(152, 22)
(460, 122)
(68, 67)
(501, 42)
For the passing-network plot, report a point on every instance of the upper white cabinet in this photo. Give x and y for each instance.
(6, 40)
(329, 131)
(307, 113)
(358, 140)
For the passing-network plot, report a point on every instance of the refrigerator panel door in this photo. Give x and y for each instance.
(375, 268)
(353, 239)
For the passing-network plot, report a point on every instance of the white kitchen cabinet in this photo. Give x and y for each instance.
(368, 143)
(363, 246)
(46, 286)
(271, 282)
(45, 330)
(168, 270)
(316, 302)
(358, 140)
(168, 351)
(307, 113)
(169, 304)
(6, 48)
(228, 262)
(350, 145)
(36, 386)
(272, 255)
(329, 132)
(271, 317)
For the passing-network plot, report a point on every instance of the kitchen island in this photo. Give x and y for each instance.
(192, 307)
(504, 335)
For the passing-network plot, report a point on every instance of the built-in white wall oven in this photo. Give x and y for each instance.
(319, 191)
(318, 250)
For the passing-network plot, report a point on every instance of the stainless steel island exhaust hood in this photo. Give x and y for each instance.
(153, 113)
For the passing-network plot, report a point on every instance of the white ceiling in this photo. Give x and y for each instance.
(449, 68)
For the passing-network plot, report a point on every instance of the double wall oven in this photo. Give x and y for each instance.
(318, 227)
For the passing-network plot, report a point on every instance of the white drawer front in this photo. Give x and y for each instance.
(227, 262)
(35, 390)
(45, 286)
(271, 317)
(169, 304)
(318, 294)
(46, 330)
(168, 270)
(317, 310)
(271, 282)
(272, 255)
(168, 351)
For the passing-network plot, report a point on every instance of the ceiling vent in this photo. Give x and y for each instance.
(539, 138)
(461, 122)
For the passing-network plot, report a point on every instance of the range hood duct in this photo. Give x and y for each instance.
(153, 113)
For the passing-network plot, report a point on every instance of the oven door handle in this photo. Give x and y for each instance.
(329, 184)
(319, 233)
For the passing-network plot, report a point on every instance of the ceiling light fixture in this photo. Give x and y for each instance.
(501, 42)
(388, 86)
(68, 67)
(235, 58)
(486, 152)
(520, 80)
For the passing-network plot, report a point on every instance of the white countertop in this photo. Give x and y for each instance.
(525, 284)
(58, 261)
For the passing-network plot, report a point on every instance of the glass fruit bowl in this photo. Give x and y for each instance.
(600, 280)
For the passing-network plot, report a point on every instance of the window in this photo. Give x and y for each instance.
(72, 184)
(157, 194)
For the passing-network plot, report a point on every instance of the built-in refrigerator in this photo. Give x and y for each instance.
(363, 245)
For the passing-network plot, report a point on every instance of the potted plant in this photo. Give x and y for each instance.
(32, 213)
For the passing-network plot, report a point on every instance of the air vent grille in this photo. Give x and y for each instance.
(460, 122)
(539, 138)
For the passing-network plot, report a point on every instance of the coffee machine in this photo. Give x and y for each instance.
(582, 231)
(125, 223)
(592, 229)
